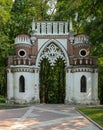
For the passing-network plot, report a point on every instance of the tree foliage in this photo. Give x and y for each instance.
(22, 13)
(52, 82)
(5, 7)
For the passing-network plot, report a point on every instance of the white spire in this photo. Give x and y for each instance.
(70, 25)
(33, 25)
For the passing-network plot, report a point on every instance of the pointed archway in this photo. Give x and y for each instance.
(52, 82)
(57, 48)
(52, 60)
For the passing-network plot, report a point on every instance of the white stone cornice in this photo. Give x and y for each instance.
(21, 45)
(61, 36)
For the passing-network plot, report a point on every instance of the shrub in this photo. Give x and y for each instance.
(2, 99)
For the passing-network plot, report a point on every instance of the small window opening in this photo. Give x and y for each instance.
(22, 53)
(21, 84)
(83, 84)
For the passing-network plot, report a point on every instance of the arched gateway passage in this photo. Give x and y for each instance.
(52, 82)
(52, 63)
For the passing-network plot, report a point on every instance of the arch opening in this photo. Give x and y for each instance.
(52, 82)
(52, 60)
(52, 50)
(21, 84)
(83, 84)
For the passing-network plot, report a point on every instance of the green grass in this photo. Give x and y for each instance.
(95, 113)
(6, 106)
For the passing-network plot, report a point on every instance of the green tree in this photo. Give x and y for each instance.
(23, 12)
(5, 7)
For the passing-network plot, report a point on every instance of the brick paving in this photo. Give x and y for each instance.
(44, 117)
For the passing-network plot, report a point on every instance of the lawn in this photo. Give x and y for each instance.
(5, 106)
(95, 113)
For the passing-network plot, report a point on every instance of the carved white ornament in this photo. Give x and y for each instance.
(52, 53)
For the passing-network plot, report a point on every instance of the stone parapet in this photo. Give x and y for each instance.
(50, 28)
(22, 38)
(20, 61)
(83, 61)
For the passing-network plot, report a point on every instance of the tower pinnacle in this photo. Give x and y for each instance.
(70, 25)
(33, 25)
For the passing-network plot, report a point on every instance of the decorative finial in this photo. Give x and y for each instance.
(71, 33)
(33, 37)
(70, 25)
(33, 25)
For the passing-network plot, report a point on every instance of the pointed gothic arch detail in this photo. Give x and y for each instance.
(21, 84)
(52, 53)
(52, 50)
(83, 84)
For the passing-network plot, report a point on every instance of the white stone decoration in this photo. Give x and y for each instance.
(81, 39)
(38, 28)
(70, 25)
(52, 53)
(43, 28)
(66, 27)
(50, 28)
(33, 25)
(22, 39)
(55, 28)
(60, 27)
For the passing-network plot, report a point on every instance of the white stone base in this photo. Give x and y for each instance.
(22, 101)
(86, 102)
